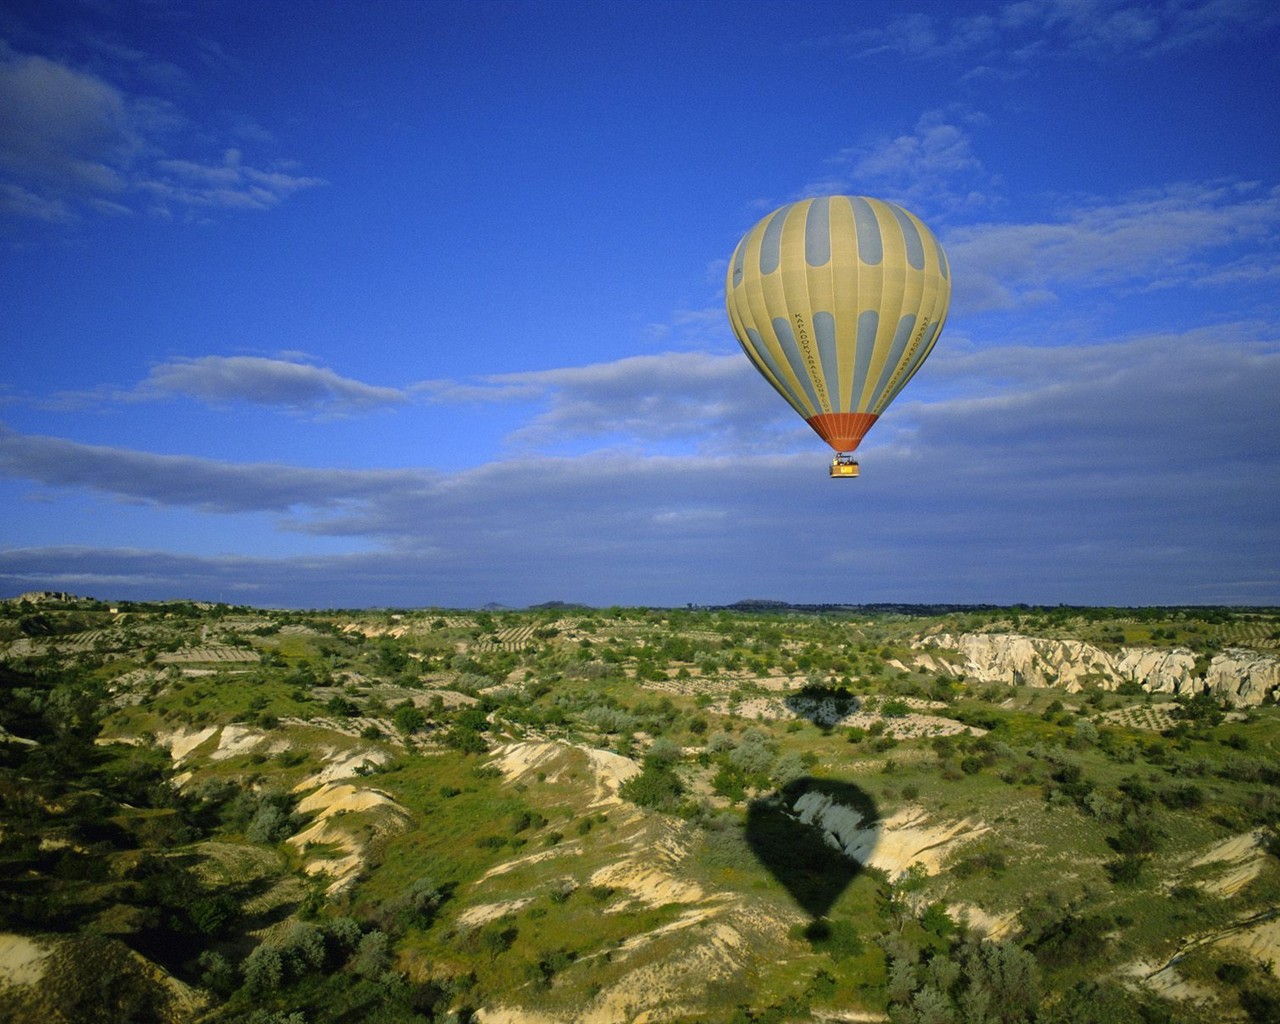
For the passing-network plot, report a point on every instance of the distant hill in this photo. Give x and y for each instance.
(45, 597)
(880, 608)
(554, 606)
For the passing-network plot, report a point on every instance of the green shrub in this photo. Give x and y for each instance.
(657, 787)
(408, 719)
(1125, 870)
(839, 939)
(729, 782)
(342, 707)
(373, 955)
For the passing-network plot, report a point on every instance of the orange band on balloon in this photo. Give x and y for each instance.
(842, 430)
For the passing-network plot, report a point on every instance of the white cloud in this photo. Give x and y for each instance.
(63, 129)
(72, 142)
(711, 403)
(1169, 401)
(299, 387)
(932, 170)
(1152, 240)
(1133, 472)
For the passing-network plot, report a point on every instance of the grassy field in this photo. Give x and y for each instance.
(624, 814)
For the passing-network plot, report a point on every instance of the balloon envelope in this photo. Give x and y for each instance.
(837, 301)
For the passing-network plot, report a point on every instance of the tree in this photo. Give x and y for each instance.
(408, 719)
(270, 825)
(1085, 734)
(931, 1006)
(752, 756)
(373, 957)
(1003, 979)
(216, 973)
(342, 707)
(416, 907)
(263, 971)
(303, 949)
(663, 751)
(215, 914)
(788, 768)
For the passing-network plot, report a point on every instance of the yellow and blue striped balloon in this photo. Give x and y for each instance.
(837, 301)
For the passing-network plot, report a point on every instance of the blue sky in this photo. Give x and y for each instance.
(352, 304)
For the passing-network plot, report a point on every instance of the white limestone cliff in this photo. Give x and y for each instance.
(1237, 675)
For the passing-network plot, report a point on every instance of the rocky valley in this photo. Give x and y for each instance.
(226, 814)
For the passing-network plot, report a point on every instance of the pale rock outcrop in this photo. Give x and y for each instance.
(1025, 660)
(1237, 675)
(1159, 671)
(1243, 676)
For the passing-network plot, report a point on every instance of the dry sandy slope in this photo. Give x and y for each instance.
(474, 917)
(342, 763)
(909, 726)
(670, 967)
(182, 743)
(711, 936)
(329, 803)
(327, 797)
(21, 960)
(893, 845)
(1241, 856)
(558, 760)
(233, 740)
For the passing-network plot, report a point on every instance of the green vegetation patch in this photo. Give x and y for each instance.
(1088, 816)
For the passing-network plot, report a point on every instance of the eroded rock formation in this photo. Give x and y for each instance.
(1238, 675)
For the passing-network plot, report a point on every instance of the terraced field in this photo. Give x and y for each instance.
(1263, 635)
(209, 655)
(512, 638)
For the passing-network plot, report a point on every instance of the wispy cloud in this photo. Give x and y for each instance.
(692, 328)
(933, 169)
(228, 185)
(1200, 398)
(708, 403)
(294, 386)
(16, 201)
(74, 143)
(184, 481)
(1137, 471)
(1156, 239)
(1020, 32)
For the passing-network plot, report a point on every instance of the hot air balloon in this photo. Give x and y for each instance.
(837, 301)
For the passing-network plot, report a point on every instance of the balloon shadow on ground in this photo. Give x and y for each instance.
(823, 705)
(813, 835)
